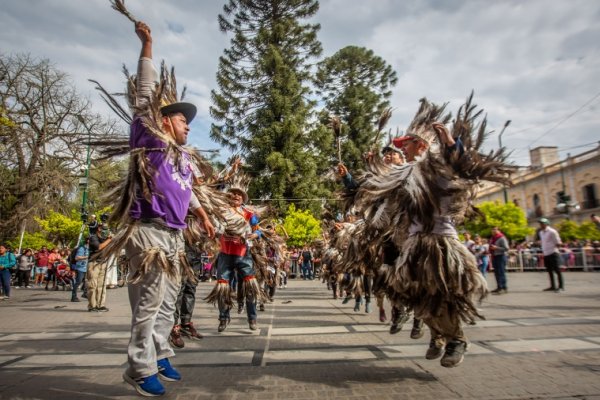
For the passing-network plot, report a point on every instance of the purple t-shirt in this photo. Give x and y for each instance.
(171, 186)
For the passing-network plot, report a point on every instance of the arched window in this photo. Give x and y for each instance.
(589, 196)
(537, 207)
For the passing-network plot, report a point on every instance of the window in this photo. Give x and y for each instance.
(537, 207)
(589, 196)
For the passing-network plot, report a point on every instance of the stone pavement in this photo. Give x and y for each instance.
(533, 345)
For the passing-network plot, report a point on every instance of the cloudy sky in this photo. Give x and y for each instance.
(535, 62)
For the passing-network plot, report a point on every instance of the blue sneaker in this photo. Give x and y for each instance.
(149, 386)
(167, 372)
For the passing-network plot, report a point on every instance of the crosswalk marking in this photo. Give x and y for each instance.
(43, 336)
(336, 354)
(536, 345)
(242, 330)
(319, 355)
(70, 360)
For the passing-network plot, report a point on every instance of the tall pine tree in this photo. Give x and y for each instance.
(261, 107)
(355, 84)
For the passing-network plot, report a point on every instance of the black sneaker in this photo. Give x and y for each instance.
(75, 300)
(175, 338)
(455, 353)
(93, 309)
(240, 308)
(222, 325)
(417, 329)
(102, 309)
(550, 289)
(261, 307)
(436, 348)
(398, 319)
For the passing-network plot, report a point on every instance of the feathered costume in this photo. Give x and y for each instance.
(139, 181)
(435, 274)
(238, 252)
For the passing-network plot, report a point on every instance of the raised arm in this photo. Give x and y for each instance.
(146, 73)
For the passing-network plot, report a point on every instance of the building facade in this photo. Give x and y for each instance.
(553, 188)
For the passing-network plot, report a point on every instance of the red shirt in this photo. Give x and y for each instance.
(41, 258)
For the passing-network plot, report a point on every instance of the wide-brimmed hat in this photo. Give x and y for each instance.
(187, 109)
(240, 191)
(544, 221)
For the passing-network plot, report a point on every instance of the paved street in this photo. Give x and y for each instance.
(533, 345)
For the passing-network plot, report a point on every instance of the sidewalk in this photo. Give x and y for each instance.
(533, 345)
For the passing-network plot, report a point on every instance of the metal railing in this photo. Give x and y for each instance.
(586, 259)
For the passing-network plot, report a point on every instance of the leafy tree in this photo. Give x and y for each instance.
(567, 230)
(43, 139)
(508, 217)
(261, 107)
(588, 231)
(33, 241)
(301, 226)
(60, 228)
(355, 85)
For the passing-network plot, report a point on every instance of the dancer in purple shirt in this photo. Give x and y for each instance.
(152, 206)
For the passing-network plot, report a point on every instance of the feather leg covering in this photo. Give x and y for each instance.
(437, 274)
(221, 294)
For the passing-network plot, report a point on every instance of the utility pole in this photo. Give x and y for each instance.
(506, 124)
(85, 181)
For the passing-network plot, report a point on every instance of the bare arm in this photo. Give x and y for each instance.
(199, 212)
(146, 73)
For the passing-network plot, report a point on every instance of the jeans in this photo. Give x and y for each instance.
(307, 271)
(227, 264)
(483, 265)
(78, 279)
(499, 264)
(5, 281)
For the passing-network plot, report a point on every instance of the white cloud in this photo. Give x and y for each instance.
(531, 62)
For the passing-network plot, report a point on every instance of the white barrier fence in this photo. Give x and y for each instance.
(575, 259)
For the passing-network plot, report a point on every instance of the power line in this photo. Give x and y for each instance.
(565, 119)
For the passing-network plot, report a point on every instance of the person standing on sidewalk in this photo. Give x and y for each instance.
(499, 249)
(96, 272)
(7, 262)
(25, 264)
(41, 265)
(80, 267)
(550, 240)
(306, 260)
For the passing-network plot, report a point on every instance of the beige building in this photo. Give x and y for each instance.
(539, 189)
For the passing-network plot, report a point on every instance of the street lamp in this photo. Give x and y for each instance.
(506, 124)
(84, 182)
